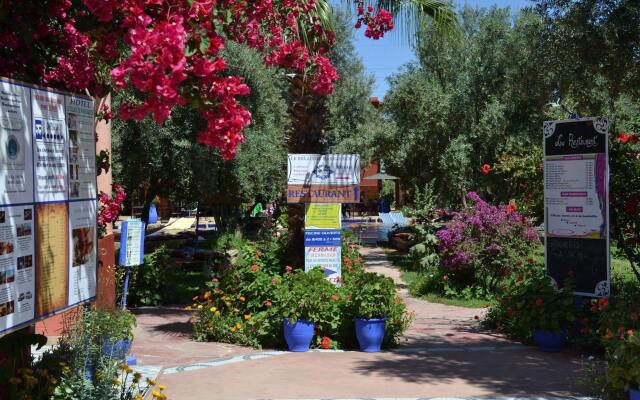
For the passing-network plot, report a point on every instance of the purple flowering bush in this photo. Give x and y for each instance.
(484, 243)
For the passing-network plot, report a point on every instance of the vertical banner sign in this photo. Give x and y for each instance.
(48, 205)
(576, 204)
(132, 243)
(323, 240)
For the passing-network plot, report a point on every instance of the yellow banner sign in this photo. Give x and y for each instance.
(322, 216)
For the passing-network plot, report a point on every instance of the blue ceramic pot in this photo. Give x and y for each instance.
(370, 333)
(634, 394)
(298, 335)
(117, 349)
(549, 341)
(153, 214)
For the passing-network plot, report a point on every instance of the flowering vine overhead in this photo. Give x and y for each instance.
(168, 52)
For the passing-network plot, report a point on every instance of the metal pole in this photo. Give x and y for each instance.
(125, 288)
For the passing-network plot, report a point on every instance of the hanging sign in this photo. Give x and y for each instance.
(323, 194)
(323, 240)
(131, 243)
(576, 204)
(48, 206)
(323, 169)
(323, 216)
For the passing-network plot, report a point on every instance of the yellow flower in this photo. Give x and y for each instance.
(138, 397)
(128, 370)
(188, 308)
(238, 325)
(137, 375)
(155, 393)
(247, 317)
(199, 306)
(123, 367)
(116, 381)
(236, 310)
(241, 298)
(233, 330)
(161, 387)
(217, 313)
(213, 309)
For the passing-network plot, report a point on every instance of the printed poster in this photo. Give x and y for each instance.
(50, 149)
(132, 243)
(17, 276)
(16, 158)
(83, 254)
(323, 248)
(82, 147)
(323, 216)
(52, 257)
(576, 203)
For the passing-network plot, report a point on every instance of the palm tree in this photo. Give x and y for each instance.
(308, 109)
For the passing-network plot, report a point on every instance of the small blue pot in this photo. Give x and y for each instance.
(153, 214)
(117, 349)
(298, 335)
(634, 394)
(549, 341)
(370, 333)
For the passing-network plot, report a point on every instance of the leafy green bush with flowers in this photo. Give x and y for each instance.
(483, 244)
(530, 301)
(623, 363)
(246, 304)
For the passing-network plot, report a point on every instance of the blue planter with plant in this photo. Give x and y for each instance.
(623, 364)
(298, 334)
(370, 333)
(117, 349)
(549, 341)
(370, 305)
(634, 394)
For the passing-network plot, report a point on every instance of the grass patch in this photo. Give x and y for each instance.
(412, 278)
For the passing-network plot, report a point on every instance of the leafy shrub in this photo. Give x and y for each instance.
(530, 302)
(148, 283)
(623, 363)
(483, 244)
(246, 304)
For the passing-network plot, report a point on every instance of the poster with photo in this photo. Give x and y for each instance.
(50, 146)
(52, 257)
(17, 276)
(83, 244)
(82, 147)
(16, 157)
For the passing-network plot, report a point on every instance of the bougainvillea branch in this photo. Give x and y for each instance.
(109, 207)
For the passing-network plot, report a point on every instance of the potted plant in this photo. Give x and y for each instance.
(545, 311)
(623, 365)
(371, 299)
(303, 298)
(114, 331)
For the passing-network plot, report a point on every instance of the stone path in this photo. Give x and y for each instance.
(445, 354)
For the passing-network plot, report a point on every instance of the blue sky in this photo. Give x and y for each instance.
(383, 58)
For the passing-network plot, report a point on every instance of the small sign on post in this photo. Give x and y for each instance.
(323, 240)
(131, 250)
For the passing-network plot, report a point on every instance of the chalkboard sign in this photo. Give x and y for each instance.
(576, 203)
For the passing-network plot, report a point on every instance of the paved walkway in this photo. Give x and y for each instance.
(444, 354)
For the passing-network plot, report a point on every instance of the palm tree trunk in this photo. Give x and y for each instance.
(307, 110)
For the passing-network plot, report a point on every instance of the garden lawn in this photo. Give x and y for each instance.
(411, 278)
(620, 271)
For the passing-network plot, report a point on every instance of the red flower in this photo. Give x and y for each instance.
(539, 302)
(633, 139)
(510, 312)
(254, 267)
(486, 168)
(623, 137)
(267, 303)
(335, 297)
(445, 278)
(603, 303)
(511, 208)
(325, 343)
(630, 332)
